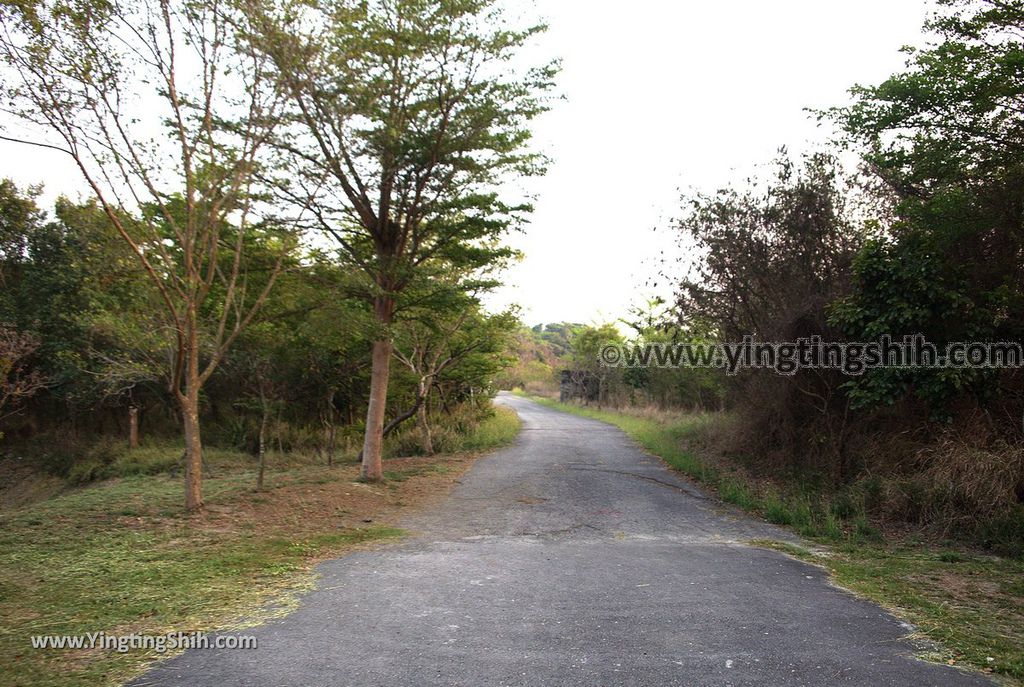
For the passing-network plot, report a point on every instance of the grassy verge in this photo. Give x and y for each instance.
(113, 558)
(120, 557)
(970, 604)
(499, 429)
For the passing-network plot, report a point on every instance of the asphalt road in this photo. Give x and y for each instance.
(572, 558)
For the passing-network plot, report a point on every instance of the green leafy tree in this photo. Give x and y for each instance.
(166, 113)
(694, 387)
(946, 138)
(20, 217)
(405, 118)
(461, 345)
(306, 358)
(18, 381)
(78, 289)
(585, 344)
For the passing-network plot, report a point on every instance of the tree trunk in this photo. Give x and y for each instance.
(277, 433)
(373, 441)
(189, 402)
(329, 432)
(396, 423)
(421, 416)
(133, 427)
(444, 401)
(193, 447)
(262, 447)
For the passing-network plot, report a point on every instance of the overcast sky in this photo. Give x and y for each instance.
(661, 95)
(665, 95)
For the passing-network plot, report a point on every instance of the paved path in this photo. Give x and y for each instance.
(572, 558)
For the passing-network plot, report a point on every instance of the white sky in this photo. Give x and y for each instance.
(666, 95)
(661, 95)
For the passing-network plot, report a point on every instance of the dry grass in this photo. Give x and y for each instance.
(970, 484)
(20, 485)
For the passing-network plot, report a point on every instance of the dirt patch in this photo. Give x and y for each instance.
(326, 498)
(965, 586)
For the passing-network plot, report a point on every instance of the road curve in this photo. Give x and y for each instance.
(572, 558)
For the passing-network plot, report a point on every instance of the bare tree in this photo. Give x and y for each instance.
(166, 114)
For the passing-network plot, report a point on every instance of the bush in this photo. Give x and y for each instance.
(467, 427)
(96, 462)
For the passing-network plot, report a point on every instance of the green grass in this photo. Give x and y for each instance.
(500, 428)
(496, 430)
(72, 565)
(465, 430)
(971, 605)
(78, 563)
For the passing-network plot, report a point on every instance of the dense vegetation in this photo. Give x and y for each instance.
(80, 339)
(271, 292)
